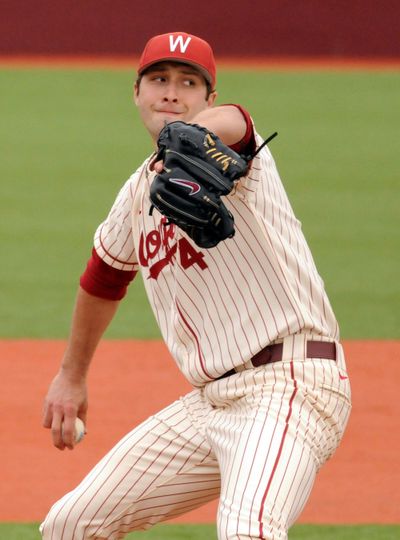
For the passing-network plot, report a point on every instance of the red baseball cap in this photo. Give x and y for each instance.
(180, 47)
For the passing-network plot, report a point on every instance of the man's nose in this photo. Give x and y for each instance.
(171, 93)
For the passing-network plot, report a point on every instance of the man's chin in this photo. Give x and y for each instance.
(163, 120)
(167, 119)
(171, 117)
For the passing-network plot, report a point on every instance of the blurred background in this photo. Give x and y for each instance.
(341, 28)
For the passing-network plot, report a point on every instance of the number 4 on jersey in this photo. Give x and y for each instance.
(189, 256)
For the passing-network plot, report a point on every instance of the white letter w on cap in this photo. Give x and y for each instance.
(179, 41)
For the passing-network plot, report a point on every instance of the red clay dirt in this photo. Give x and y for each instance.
(131, 379)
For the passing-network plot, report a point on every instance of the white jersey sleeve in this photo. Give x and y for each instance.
(113, 239)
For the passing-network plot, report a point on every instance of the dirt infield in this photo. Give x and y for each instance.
(131, 379)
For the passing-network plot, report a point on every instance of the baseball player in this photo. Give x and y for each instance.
(241, 307)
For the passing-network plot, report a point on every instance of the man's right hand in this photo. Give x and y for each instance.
(66, 399)
(67, 395)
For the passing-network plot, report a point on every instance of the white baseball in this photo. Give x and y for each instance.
(79, 430)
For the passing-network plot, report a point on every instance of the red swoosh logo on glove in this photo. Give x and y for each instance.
(194, 188)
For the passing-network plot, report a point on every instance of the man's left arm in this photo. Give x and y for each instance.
(231, 123)
(226, 121)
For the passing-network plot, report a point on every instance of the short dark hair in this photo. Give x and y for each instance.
(209, 89)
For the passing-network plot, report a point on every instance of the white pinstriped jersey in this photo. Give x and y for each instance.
(217, 308)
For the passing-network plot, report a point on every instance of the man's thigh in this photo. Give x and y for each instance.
(270, 436)
(163, 468)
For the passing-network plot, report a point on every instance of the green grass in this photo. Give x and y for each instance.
(69, 140)
(10, 531)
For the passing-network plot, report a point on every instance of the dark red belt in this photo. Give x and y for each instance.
(273, 353)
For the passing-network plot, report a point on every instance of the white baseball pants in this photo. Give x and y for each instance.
(255, 440)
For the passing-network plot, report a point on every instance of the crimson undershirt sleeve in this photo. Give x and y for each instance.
(102, 280)
(247, 145)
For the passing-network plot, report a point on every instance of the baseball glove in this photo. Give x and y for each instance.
(198, 170)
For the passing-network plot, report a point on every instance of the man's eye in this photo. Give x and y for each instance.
(189, 82)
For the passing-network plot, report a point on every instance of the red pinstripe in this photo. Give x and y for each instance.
(105, 464)
(200, 355)
(250, 294)
(227, 288)
(250, 234)
(106, 478)
(181, 510)
(185, 494)
(243, 457)
(279, 451)
(270, 439)
(228, 319)
(270, 310)
(284, 475)
(267, 302)
(133, 485)
(205, 331)
(295, 498)
(149, 508)
(107, 252)
(99, 489)
(306, 253)
(307, 478)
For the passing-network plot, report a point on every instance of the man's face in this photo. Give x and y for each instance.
(169, 92)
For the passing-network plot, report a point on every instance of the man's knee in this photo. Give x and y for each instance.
(70, 524)
(245, 529)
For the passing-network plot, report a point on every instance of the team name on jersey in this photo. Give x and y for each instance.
(162, 241)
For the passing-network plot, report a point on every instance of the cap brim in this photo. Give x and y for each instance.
(199, 68)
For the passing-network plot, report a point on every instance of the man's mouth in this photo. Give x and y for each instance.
(169, 112)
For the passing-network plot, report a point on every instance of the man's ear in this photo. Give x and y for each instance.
(135, 92)
(211, 98)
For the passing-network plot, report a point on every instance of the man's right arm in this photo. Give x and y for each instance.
(67, 394)
(102, 285)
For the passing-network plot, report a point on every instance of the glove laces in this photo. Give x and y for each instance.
(269, 139)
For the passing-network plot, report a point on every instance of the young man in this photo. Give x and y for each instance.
(247, 321)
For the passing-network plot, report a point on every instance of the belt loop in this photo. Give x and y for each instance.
(288, 347)
(294, 346)
(340, 357)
